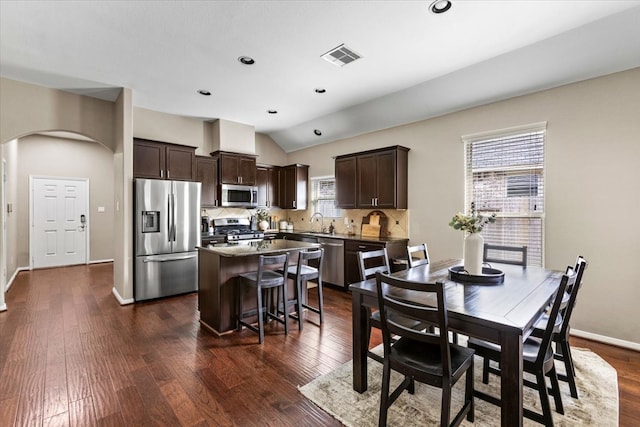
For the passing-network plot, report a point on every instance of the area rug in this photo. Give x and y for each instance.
(597, 384)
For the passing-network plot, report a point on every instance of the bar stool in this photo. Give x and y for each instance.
(260, 280)
(301, 273)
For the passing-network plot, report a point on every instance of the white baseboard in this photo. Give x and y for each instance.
(606, 340)
(3, 307)
(121, 300)
(15, 274)
(100, 261)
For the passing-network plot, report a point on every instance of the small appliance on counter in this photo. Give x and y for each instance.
(205, 224)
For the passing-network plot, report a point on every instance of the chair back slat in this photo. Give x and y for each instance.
(267, 260)
(371, 262)
(311, 255)
(421, 252)
(491, 254)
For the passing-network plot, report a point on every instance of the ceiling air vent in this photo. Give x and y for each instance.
(341, 56)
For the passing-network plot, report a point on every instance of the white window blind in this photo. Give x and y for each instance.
(505, 176)
(323, 197)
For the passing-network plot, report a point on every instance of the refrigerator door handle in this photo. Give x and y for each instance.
(169, 217)
(173, 221)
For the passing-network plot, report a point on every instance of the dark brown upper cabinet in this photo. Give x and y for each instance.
(372, 179)
(160, 160)
(346, 182)
(207, 174)
(294, 180)
(236, 168)
(267, 183)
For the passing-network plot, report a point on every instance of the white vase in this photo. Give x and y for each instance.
(263, 225)
(473, 247)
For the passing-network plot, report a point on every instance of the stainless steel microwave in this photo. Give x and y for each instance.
(238, 196)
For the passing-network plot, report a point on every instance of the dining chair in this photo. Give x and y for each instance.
(516, 255)
(417, 255)
(262, 279)
(538, 360)
(562, 329)
(422, 258)
(370, 263)
(301, 273)
(424, 356)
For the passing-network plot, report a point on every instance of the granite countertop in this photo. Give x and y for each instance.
(342, 236)
(263, 247)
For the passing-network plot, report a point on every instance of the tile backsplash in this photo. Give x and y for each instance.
(397, 220)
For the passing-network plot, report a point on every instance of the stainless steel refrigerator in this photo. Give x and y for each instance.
(167, 231)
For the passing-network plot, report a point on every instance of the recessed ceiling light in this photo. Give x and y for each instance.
(204, 92)
(317, 132)
(272, 111)
(440, 6)
(246, 60)
(320, 90)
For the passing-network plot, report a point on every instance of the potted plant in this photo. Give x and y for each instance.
(263, 219)
(474, 242)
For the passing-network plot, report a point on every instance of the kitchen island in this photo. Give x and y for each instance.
(220, 264)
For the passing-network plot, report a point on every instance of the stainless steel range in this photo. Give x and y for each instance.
(235, 229)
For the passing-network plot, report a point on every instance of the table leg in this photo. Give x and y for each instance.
(511, 379)
(359, 330)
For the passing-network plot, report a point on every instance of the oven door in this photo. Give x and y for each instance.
(238, 196)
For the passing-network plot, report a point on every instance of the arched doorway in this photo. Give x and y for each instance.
(54, 154)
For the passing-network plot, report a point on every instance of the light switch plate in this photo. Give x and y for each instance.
(100, 208)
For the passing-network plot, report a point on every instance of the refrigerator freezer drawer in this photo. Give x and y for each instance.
(164, 275)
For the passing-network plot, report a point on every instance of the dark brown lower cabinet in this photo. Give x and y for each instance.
(395, 249)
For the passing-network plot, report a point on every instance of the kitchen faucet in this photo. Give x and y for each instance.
(321, 219)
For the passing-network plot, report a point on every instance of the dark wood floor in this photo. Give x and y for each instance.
(70, 355)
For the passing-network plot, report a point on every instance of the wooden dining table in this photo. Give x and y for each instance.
(503, 313)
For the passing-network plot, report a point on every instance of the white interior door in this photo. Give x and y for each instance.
(59, 221)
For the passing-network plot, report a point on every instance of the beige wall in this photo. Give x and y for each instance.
(10, 154)
(57, 157)
(268, 152)
(592, 185)
(28, 108)
(165, 127)
(123, 192)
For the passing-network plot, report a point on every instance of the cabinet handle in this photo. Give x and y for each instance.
(161, 174)
(376, 201)
(294, 204)
(168, 174)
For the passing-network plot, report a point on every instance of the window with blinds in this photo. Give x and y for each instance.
(323, 197)
(505, 176)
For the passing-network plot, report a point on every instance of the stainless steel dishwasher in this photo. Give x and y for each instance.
(333, 264)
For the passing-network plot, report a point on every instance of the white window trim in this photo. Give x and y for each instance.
(505, 132)
(313, 199)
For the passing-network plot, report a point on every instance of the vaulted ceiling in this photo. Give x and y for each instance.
(414, 64)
